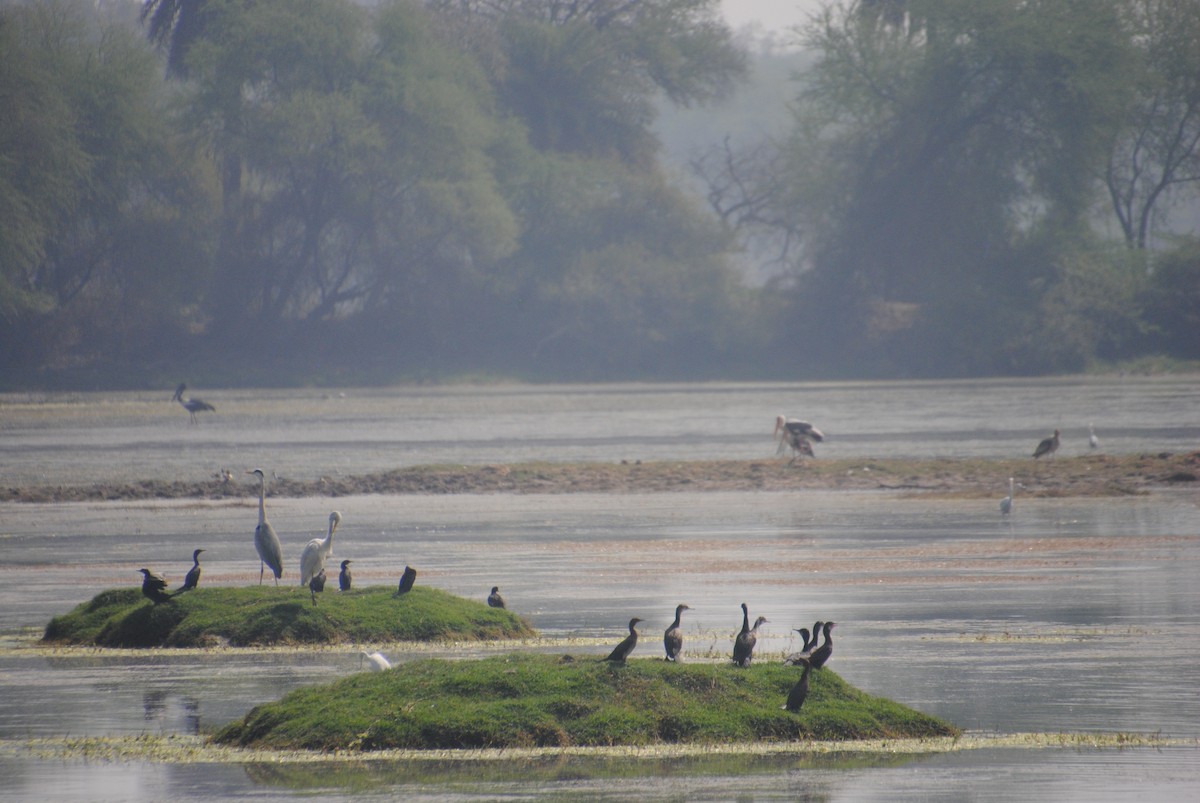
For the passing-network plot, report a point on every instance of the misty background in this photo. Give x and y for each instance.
(331, 192)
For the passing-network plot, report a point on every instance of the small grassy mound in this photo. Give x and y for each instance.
(527, 700)
(266, 615)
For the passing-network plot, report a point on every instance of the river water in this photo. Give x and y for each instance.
(1071, 615)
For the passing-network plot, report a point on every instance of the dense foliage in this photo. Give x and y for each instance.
(325, 191)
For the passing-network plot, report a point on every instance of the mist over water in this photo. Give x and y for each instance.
(1071, 615)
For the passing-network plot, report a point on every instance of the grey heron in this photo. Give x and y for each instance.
(673, 637)
(192, 579)
(1048, 446)
(270, 551)
(743, 645)
(316, 551)
(344, 576)
(625, 648)
(193, 406)
(154, 587)
(1093, 441)
(1007, 502)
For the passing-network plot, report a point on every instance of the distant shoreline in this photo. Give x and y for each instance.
(1097, 475)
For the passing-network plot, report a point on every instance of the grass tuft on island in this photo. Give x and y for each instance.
(271, 616)
(534, 700)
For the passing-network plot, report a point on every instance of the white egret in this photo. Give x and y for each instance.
(378, 662)
(1006, 502)
(1093, 441)
(316, 551)
(270, 551)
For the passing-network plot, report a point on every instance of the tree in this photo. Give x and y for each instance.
(930, 146)
(1155, 157)
(361, 145)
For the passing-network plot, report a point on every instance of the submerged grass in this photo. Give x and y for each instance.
(266, 615)
(529, 700)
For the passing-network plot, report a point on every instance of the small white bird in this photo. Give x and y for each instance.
(1006, 502)
(1093, 441)
(378, 662)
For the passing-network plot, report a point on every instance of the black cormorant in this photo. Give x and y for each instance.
(673, 637)
(821, 654)
(623, 650)
(743, 645)
(344, 576)
(192, 579)
(406, 581)
(316, 585)
(1047, 446)
(799, 692)
(154, 587)
(494, 598)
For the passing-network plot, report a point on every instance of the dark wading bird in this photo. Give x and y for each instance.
(344, 576)
(406, 581)
(154, 587)
(743, 645)
(798, 435)
(316, 585)
(266, 542)
(192, 579)
(193, 406)
(799, 692)
(673, 637)
(821, 654)
(494, 598)
(318, 550)
(625, 648)
(1048, 446)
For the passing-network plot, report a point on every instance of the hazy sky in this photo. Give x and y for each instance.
(770, 14)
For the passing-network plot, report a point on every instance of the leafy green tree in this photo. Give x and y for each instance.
(89, 173)
(944, 139)
(362, 173)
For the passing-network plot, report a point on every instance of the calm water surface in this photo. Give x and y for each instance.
(1069, 616)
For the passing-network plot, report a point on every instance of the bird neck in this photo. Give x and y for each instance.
(262, 501)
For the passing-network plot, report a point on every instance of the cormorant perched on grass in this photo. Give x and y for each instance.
(743, 645)
(623, 650)
(192, 579)
(673, 637)
(494, 598)
(344, 576)
(806, 647)
(799, 692)
(1047, 447)
(316, 585)
(406, 581)
(154, 587)
(821, 654)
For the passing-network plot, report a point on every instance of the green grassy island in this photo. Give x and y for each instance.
(533, 700)
(270, 616)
